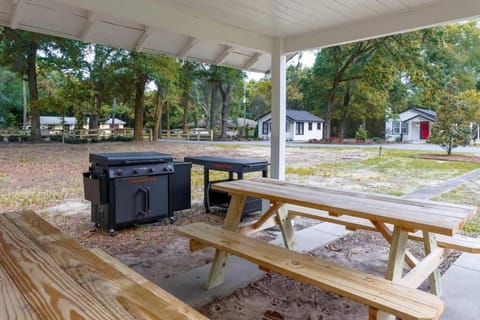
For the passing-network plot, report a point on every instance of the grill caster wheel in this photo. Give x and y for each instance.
(111, 232)
(172, 220)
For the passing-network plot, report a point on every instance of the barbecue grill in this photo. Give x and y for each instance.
(232, 166)
(135, 187)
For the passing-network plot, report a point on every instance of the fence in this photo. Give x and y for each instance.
(199, 135)
(13, 135)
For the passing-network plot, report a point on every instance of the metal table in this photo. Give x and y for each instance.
(232, 166)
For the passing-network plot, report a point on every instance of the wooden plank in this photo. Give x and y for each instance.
(417, 275)
(285, 223)
(122, 297)
(397, 254)
(231, 222)
(456, 242)
(266, 215)
(408, 215)
(12, 303)
(430, 243)
(45, 286)
(381, 294)
(174, 305)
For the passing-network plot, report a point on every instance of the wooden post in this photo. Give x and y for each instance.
(285, 224)
(231, 222)
(430, 244)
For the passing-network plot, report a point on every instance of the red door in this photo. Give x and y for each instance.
(424, 130)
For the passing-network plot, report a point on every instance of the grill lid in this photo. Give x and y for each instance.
(129, 158)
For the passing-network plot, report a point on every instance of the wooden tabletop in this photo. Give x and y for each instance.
(46, 275)
(431, 216)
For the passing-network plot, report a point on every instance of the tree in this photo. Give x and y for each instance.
(452, 127)
(10, 98)
(18, 51)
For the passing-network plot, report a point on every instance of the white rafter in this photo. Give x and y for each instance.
(92, 17)
(252, 61)
(223, 55)
(143, 38)
(16, 13)
(187, 47)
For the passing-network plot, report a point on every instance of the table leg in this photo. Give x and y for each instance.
(286, 227)
(396, 258)
(430, 243)
(231, 222)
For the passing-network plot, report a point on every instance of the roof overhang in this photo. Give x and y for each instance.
(235, 33)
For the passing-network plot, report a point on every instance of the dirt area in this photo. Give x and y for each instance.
(47, 178)
(452, 157)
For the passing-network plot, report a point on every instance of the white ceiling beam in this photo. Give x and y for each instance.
(223, 55)
(92, 17)
(16, 13)
(435, 14)
(164, 17)
(143, 39)
(252, 61)
(187, 47)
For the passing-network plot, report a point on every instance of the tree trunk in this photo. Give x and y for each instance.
(225, 91)
(167, 111)
(213, 104)
(139, 106)
(157, 129)
(35, 134)
(185, 103)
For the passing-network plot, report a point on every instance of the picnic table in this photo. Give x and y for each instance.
(44, 274)
(393, 217)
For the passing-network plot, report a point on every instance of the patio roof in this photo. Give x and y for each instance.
(235, 33)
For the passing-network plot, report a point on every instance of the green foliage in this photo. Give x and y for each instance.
(361, 134)
(452, 127)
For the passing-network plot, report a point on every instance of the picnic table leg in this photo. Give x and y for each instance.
(285, 224)
(231, 222)
(430, 244)
(396, 260)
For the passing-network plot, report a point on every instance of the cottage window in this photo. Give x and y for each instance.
(399, 127)
(266, 128)
(309, 126)
(319, 126)
(299, 128)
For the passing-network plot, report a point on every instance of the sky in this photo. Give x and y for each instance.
(308, 58)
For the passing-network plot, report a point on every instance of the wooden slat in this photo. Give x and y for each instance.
(381, 294)
(456, 242)
(406, 214)
(174, 305)
(122, 296)
(12, 303)
(46, 287)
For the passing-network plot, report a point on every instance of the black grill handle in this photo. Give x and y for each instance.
(146, 200)
(127, 162)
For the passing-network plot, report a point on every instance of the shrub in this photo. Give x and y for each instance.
(13, 139)
(361, 134)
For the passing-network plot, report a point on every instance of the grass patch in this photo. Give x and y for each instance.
(301, 171)
(472, 228)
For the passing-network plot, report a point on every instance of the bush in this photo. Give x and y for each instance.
(361, 134)
(56, 138)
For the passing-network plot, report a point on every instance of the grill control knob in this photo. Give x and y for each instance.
(135, 171)
(119, 172)
(168, 168)
(151, 169)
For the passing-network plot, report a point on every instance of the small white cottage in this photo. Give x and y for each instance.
(301, 126)
(411, 125)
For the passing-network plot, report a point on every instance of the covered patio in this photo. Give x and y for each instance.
(245, 34)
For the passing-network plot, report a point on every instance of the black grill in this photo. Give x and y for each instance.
(135, 187)
(232, 166)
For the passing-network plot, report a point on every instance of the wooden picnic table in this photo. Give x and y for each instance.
(44, 274)
(428, 217)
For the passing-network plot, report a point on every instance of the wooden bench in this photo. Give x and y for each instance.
(46, 275)
(456, 242)
(378, 293)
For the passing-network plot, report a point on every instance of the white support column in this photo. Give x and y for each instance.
(279, 107)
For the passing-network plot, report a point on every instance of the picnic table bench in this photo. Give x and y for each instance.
(395, 295)
(44, 274)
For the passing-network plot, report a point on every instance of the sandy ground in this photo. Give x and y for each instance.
(53, 173)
